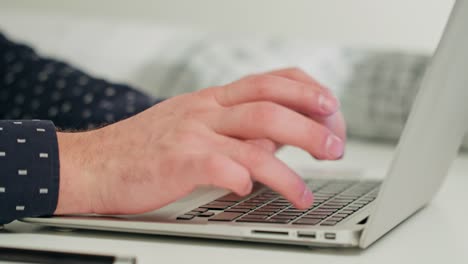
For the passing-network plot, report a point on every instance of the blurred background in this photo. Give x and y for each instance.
(371, 53)
(412, 24)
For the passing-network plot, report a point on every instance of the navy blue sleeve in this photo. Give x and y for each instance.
(33, 87)
(29, 169)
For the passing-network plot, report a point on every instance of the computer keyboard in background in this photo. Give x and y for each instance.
(334, 201)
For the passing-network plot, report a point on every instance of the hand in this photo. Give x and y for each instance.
(223, 136)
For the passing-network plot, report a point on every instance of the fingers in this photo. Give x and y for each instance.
(335, 123)
(264, 143)
(221, 171)
(306, 98)
(279, 124)
(264, 167)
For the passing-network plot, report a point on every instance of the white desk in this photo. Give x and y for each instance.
(437, 234)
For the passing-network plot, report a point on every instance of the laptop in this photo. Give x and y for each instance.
(346, 212)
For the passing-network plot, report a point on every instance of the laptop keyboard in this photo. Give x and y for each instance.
(334, 201)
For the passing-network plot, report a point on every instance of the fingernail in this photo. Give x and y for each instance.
(307, 197)
(248, 188)
(326, 104)
(334, 147)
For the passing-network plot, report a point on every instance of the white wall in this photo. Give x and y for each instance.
(413, 24)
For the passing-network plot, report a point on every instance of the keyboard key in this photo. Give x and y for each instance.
(329, 223)
(337, 203)
(283, 217)
(249, 204)
(335, 219)
(260, 213)
(185, 217)
(340, 214)
(341, 199)
(193, 213)
(252, 220)
(307, 221)
(237, 210)
(200, 210)
(332, 208)
(230, 198)
(279, 204)
(267, 210)
(288, 214)
(320, 213)
(256, 201)
(249, 216)
(248, 208)
(217, 205)
(326, 206)
(274, 206)
(277, 221)
(313, 217)
(206, 214)
(323, 209)
(225, 216)
(242, 220)
(295, 211)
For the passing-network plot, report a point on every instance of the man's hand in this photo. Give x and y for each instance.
(223, 136)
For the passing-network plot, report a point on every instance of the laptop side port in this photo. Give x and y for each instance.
(330, 236)
(270, 232)
(305, 234)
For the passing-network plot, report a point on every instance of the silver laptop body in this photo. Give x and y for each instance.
(347, 213)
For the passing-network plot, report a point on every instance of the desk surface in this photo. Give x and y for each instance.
(436, 234)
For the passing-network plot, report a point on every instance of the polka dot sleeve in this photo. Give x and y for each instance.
(29, 169)
(32, 87)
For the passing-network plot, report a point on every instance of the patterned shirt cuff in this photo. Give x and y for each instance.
(29, 169)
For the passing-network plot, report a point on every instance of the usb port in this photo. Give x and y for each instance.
(307, 234)
(330, 236)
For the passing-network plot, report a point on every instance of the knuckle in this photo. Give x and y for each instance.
(218, 95)
(296, 70)
(262, 84)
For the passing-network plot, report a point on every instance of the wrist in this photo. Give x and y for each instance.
(77, 181)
